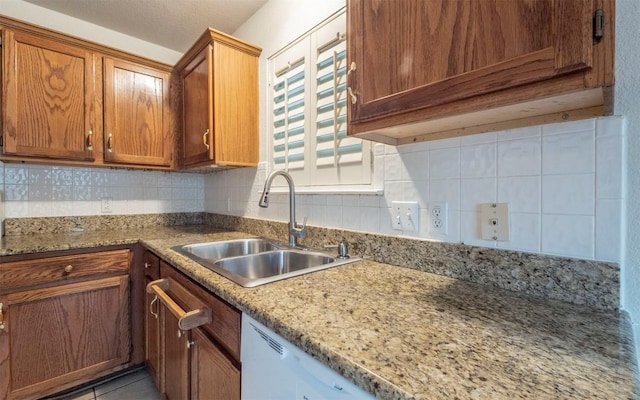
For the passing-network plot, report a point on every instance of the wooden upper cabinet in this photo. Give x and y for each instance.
(425, 60)
(49, 98)
(136, 114)
(220, 110)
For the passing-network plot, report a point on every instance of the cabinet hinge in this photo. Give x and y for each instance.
(598, 25)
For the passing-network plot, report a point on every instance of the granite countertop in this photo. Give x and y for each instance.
(404, 334)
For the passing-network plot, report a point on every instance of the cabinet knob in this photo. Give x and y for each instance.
(147, 265)
(68, 268)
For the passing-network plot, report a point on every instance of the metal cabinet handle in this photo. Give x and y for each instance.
(90, 141)
(186, 319)
(68, 269)
(110, 142)
(354, 98)
(352, 67)
(3, 326)
(154, 301)
(147, 265)
(205, 136)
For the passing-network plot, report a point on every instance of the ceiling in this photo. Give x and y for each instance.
(174, 24)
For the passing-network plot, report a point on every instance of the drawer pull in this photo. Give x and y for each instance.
(147, 265)
(3, 326)
(155, 300)
(68, 269)
(205, 140)
(186, 319)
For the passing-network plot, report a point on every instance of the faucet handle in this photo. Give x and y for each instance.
(301, 232)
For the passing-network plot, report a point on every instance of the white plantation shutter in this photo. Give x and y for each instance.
(289, 105)
(333, 147)
(309, 111)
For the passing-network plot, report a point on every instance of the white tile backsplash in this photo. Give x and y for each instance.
(42, 191)
(519, 157)
(568, 194)
(554, 212)
(568, 153)
(563, 182)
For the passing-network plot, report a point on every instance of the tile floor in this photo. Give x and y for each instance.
(136, 385)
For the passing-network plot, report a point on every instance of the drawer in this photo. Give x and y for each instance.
(20, 274)
(151, 265)
(226, 319)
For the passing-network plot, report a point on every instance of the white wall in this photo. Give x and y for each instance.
(627, 100)
(563, 181)
(21, 10)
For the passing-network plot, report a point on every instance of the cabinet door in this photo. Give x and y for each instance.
(152, 335)
(213, 375)
(197, 113)
(61, 335)
(414, 54)
(136, 114)
(175, 357)
(49, 98)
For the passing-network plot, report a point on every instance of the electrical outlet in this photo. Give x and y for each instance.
(438, 218)
(105, 205)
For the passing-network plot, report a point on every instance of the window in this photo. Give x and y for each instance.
(309, 111)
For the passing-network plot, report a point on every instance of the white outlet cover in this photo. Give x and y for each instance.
(438, 218)
(408, 212)
(494, 221)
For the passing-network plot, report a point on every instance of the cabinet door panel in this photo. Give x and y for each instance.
(49, 98)
(136, 114)
(433, 52)
(213, 375)
(175, 381)
(197, 109)
(65, 333)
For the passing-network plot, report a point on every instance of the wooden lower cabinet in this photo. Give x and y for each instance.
(67, 331)
(199, 361)
(214, 376)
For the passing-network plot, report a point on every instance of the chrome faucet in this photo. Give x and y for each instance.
(294, 231)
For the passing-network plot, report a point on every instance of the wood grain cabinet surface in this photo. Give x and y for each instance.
(420, 67)
(49, 98)
(136, 114)
(58, 334)
(202, 362)
(70, 101)
(219, 77)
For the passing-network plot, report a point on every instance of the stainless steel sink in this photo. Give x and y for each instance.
(254, 262)
(228, 248)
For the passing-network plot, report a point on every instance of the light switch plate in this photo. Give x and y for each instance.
(494, 221)
(406, 216)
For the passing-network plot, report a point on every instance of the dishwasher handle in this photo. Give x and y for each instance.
(187, 320)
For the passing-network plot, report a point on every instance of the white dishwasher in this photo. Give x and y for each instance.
(274, 369)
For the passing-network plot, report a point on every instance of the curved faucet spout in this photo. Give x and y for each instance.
(294, 231)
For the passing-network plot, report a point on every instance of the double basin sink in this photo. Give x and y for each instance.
(256, 261)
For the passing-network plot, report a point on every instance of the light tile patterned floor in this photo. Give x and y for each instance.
(137, 385)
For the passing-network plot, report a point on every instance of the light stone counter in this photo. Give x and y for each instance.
(400, 333)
